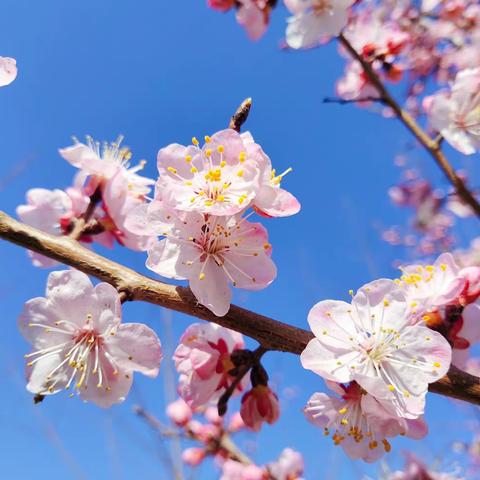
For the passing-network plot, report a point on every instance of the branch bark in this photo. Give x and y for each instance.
(432, 146)
(270, 334)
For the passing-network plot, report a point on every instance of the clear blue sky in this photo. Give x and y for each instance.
(159, 72)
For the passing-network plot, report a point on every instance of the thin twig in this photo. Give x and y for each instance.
(222, 404)
(345, 101)
(81, 223)
(432, 146)
(271, 334)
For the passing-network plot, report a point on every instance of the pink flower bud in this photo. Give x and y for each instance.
(260, 404)
(179, 412)
(211, 414)
(193, 456)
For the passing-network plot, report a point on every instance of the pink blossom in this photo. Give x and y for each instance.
(359, 422)
(232, 470)
(428, 287)
(8, 71)
(179, 412)
(193, 456)
(103, 161)
(373, 343)
(220, 179)
(80, 342)
(289, 466)
(313, 20)
(455, 114)
(468, 332)
(203, 360)
(50, 211)
(212, 416)
(354, 84)
(221, 5)
(260, 404)
(211, 252)
(107, 168)
(253, 16)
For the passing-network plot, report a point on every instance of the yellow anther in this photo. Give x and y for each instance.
(172, 170)
(213, 175)
(350, 292)
(343, 411)
(372, 445)
(195, 141)
(208, 152)
(413, 304)
(207, 139)
(194, 170)
(426, 318)
(267, 245)
(201, 276)
(436, 364)
(220, 198)
(209, 203)
(430, 268)
(406, 393)
(391, 388)
(188, 183)
(220, 149)
(344, 421)
(241, 199)
(192, 199)
(188, 158)
(443, 267)
(222, 163)
(386, 303)
(240, 173)
(325, 332)
(242, 156)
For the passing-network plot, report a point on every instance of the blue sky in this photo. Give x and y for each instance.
(160, 72)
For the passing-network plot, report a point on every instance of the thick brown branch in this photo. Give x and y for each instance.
(431, 145)
(271, 334)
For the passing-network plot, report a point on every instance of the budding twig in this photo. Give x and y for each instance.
(432, 146)
(242, 371)
(241, 115)
(271, 334)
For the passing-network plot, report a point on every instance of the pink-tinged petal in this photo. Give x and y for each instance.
(167, 258)
(322, 409)
(8, 71)
(39, 311)
(67, 290)
(106, 310)
(136, 347)
(82, 156)
(211, 288)
(378, 300)
(417, 428)
(252, 18)
(471, 323)
(328, 362)
(118, 388)
(175, 156)
(149, 219)
(296, 6)
(43, 368)
(276, 202)
(331, 321)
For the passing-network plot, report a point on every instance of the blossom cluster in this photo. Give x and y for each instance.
(200, 210)
(211, 435)
(380, 352)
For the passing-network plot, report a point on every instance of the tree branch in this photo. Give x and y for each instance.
(271, 334)
(431, 145)
(241, 115)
